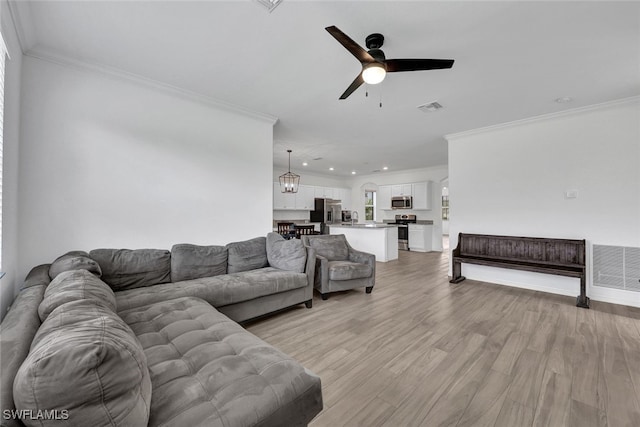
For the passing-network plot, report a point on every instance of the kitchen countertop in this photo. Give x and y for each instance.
(365, 226)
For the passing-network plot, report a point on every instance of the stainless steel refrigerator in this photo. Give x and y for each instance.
(327, 211)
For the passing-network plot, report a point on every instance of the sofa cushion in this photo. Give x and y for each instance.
(284, 254)
(207, 370)
(39, 275)
(127, 269)
(247, 255)
(17, 330)
(85, 360)
(74, 260)
(331, 246)
(193, 262)
(75, 285)
(217, 290)
(346, 270)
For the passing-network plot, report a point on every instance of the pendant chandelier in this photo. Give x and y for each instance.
(289, 181)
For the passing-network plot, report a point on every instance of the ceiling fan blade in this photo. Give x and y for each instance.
(396, 65)
(355, 85)
(353, 47)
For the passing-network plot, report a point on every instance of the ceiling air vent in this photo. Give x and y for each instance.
(269, 4)
(430, 107)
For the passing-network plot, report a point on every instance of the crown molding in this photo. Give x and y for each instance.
(65, 61)
(20, 12)
(544, 117)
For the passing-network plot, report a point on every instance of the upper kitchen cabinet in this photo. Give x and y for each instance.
(401, 190)
(344, 195)
(324, 193)
(283, 200)
(305, 198)
(383, 199)
(422, 195)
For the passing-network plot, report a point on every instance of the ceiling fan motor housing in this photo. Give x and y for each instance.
(377, 54)
(374, 41)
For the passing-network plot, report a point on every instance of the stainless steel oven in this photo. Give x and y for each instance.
(403, 221)
(403, 237)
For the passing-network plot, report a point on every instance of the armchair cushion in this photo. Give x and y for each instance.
(332, 247)
(346, 270)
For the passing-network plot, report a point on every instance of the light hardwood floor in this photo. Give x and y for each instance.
(421, 352)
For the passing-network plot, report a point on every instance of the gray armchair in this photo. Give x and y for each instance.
(339, 267)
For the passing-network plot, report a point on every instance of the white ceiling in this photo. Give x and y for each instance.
(512, 60)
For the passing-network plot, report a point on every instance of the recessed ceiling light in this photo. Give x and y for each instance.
(330, 169)
(385, 168)
(353, 172)
(304, 163)
(564, 100)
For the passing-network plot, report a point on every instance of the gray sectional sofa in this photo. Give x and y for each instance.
(150, 338)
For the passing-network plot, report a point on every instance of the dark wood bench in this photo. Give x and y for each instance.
(562, 257)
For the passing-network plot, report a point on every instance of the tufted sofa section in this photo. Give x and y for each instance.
(206, 370)
(111, 328)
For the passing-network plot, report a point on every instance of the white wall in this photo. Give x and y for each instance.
(512, 179)
(111, 162)
(435, 174)
(12, 280)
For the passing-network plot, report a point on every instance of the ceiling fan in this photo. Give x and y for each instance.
(374, 64)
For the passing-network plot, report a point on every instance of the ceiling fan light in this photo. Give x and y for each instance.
(373, 73)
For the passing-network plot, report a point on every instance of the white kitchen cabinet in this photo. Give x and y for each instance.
(420, 237)
(324, 193)
(422, 195)
(283, 200)
(401, 190)
(305, 198)
(383, 198)
(344, 195)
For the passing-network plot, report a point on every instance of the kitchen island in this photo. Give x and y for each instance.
(378, 239)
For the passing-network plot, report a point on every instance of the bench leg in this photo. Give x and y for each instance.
(457, 273)
(583, 300)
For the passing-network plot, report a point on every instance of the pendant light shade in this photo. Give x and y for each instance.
(289, 181)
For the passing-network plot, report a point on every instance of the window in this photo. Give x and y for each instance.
(445, 208)
(3, 53)
(369, 205)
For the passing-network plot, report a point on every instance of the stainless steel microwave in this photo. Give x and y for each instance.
(402, 202)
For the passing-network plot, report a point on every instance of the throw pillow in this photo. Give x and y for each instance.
(74, 260)
(247, 255)
(193, 262)
(289, 255)
(72, 286)
(85, 364)
(128, 269)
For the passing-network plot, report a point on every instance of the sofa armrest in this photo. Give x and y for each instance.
(310, 266)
